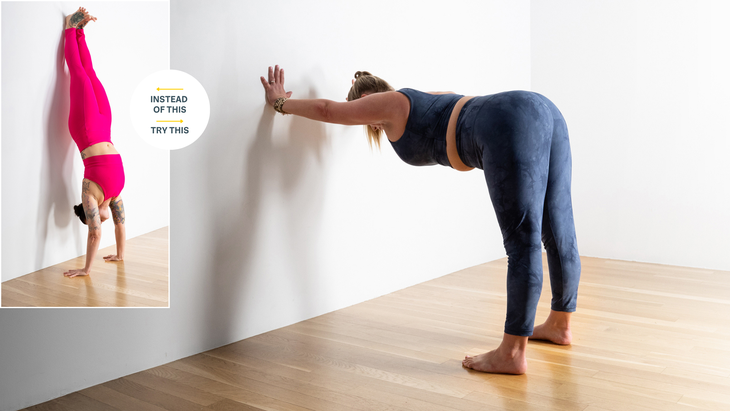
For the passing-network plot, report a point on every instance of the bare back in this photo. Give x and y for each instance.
(99, 149)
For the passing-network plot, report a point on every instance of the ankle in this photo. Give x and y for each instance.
(558, 319)
(513, 346)
(559, 324)
(511, 353)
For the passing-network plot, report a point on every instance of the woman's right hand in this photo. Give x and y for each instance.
(274, 87)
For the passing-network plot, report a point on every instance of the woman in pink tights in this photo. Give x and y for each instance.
(89, 123)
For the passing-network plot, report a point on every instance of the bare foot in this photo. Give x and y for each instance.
(508, 358)
(79, 19)
(494, 362)
(555, 329)
(86, 20)
(72, 20)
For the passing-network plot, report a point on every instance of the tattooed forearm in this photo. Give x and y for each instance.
(92, 214)
(117, 207)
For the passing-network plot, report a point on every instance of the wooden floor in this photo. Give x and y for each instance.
(646, 337)
(141, 280)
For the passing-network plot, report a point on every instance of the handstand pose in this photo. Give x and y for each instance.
(520, 140)
(89, 123)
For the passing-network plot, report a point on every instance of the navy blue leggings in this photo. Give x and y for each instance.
(520, 140)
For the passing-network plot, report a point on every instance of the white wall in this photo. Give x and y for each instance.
(291, 218)
(277, 219)
(644, 87)
(41, 166)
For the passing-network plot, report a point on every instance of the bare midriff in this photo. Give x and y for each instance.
(99, 149)
(451, 150)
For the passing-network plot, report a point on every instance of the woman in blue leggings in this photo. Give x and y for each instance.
(520, 140)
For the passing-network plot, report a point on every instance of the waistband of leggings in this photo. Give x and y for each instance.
(103, 159)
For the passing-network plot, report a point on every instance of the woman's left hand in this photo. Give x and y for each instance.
(274, 87)
(75, 273)
(113, 257)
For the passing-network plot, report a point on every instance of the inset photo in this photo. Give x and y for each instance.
(85, 200)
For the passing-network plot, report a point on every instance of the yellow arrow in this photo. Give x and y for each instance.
(158, 89)
(169, 121)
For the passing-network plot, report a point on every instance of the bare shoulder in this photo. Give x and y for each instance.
(370, 109)
(392, 102)
(385, 97)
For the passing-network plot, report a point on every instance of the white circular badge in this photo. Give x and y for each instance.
(170, 109)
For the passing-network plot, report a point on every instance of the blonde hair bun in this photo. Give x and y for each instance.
(362, 73)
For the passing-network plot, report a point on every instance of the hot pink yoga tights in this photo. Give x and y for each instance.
(90, 116)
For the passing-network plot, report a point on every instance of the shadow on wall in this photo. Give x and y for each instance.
(266, 169)
(55, 204)
(292, 172)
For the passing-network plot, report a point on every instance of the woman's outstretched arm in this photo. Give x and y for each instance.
(377, 107)
(93, 221)
(117, 206)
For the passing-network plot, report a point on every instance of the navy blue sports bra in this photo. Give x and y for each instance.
(424, 141)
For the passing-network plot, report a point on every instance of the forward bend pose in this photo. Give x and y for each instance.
(520, 140)
(89, 123)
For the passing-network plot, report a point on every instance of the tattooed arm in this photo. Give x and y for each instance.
(93, 221)
(117, 207)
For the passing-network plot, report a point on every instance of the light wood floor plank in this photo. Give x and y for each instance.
(230, 405)
(117, 399)
(334, 378)
(141, 280)
(284, 389)
(188, 393)
(78, 402)
(150, 395)
(223, 390)
(647, 337)
(48, 406)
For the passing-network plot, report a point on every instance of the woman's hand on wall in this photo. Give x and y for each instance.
(274, 87)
